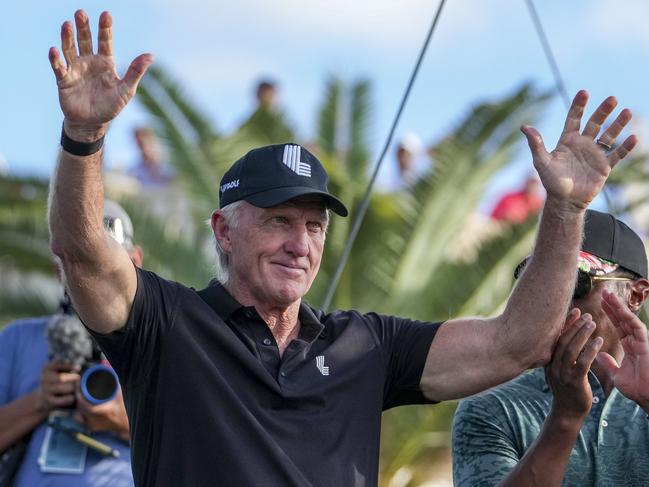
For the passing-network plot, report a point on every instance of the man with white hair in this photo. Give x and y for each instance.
(243, 383)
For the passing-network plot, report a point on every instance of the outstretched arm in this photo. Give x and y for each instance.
(470, 355)
(100, 275)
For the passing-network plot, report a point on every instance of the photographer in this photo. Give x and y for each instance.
(35, 382)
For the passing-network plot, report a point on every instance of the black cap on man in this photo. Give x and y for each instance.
(274, 174)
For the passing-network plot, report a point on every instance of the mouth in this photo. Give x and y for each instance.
(290, 268)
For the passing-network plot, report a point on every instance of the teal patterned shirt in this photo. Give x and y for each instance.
(492, 431)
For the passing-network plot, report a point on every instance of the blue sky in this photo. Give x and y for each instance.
(482, 49)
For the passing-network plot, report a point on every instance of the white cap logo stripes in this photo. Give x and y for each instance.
(291, 159)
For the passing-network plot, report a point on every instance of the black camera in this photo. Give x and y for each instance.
(69, 342)
(99, 383)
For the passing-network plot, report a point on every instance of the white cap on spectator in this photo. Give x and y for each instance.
(411, 142)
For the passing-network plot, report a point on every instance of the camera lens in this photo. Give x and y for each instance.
(99, 384)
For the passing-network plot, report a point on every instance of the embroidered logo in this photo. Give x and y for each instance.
(319, 363)
(291, 159)
(230, 185)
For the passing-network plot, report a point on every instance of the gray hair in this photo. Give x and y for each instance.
(231, 215)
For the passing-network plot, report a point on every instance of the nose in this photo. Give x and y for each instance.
(298, 243)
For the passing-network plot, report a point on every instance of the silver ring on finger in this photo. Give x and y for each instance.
(603, 145)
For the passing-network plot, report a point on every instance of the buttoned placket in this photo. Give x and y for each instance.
(255, 334)
(265, 343)
(268, 351)
(298, 349)
(600, 410)
(605, 437)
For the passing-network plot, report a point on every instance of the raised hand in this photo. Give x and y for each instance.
(567, 372)
(576, 170)
(91, 94)
(631, 377)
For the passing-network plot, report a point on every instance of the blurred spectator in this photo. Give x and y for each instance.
(518, 206)
(267, 123)
(266, 94)
(410, 164)
(408, 150)
(35, 386)
(151, 171)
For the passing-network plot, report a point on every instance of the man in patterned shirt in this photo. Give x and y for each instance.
(582, 421)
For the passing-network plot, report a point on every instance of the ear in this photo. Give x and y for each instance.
(221, 231)
(137, 256)
(639, 292)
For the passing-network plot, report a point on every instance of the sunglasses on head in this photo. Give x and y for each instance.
(585, 280)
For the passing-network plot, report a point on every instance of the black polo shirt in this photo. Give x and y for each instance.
(211, 402)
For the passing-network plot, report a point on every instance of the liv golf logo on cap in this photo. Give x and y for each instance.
(291, 159)
(230, 185)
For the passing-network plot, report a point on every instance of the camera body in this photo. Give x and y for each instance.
(69, 342)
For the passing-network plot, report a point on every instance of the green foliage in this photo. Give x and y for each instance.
(342, 147)
(172, 252)
(188, 135)
(28, 280)
(400, 256)
(22, 299)
(23, 229)
(411, 434)
(267, 126)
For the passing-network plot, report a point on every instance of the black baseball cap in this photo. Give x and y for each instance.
(274, 174)
(610, 239)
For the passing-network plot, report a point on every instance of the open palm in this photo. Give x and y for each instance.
(631, 377)
(91, 93)
(578, 167)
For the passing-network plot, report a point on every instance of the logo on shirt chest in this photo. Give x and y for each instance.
(319, 363)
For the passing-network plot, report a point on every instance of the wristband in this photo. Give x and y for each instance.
(80, 148)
